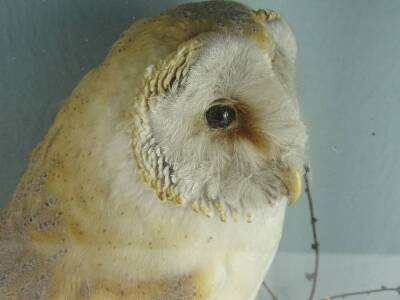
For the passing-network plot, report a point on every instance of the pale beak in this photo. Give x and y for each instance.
(292, 181)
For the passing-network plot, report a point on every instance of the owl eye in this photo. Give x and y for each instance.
(220, 116)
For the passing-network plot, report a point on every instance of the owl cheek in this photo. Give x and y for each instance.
(249, 130)
(255, 137)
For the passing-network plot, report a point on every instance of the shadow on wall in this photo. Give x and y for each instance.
(47, 47)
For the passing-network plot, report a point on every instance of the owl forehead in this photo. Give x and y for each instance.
(231, 57)
(214, 65)
(228, 66)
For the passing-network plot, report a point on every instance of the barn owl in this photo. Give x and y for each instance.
(167, 172)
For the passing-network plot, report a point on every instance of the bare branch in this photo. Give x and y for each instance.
(273, 297)
(315, 245)
(366, 292)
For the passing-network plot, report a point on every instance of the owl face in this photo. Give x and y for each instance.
(220, 134)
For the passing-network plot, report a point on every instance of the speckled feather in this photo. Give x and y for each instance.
(86, 220)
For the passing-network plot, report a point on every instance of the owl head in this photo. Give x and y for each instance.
(218, 126)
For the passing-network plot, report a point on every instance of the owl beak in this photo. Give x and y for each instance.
(292, 181)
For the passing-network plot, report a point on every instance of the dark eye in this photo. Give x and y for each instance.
(220, 116)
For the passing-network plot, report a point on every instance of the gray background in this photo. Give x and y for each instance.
(349, 77)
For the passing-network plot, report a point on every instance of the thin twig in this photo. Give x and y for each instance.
(273, 297)
(367, 292)
(315, 245)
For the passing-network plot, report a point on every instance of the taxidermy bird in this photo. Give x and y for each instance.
(167, 172)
